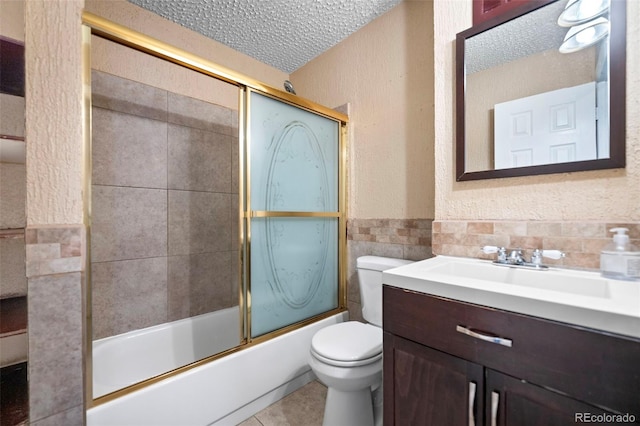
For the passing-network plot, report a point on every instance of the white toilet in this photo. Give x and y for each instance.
(347, 357)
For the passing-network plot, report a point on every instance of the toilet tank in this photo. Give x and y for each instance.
(370, 279)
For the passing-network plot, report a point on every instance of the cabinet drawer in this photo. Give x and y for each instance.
(596, 367)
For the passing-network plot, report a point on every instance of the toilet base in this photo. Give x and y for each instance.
(348, 408)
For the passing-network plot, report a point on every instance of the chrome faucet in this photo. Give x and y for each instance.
(516, 257)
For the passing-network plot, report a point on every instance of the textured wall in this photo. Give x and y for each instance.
(53, 62)
(597, 195)
(136, 18)
(385, 72)
(128, 63)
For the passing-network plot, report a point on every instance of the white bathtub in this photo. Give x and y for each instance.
(132, 357)
(223, 392)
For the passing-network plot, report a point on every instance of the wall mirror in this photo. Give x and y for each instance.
(537, 93)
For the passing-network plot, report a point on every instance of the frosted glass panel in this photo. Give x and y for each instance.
(294, 158)
(294, 270)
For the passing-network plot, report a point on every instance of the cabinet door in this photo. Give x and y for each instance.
(426, 387)
(513, 402)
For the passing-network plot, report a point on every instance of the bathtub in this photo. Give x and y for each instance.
(132, 357)
(223, 392)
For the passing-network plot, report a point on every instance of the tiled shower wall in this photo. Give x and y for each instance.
(164, 242)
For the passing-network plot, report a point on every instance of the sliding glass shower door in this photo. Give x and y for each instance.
(293, 213)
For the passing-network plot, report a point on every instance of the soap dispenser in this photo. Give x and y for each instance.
(620, 259)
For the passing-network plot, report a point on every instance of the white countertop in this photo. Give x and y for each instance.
(576, 297)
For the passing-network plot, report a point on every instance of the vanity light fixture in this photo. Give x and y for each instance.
(585, 35)
(578, 12)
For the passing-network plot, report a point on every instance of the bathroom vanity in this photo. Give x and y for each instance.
(457, 362)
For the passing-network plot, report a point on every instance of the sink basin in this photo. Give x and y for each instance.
(577, 297)
(547, 279)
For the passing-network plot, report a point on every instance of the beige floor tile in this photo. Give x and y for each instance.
(305, 407)
(252, 421)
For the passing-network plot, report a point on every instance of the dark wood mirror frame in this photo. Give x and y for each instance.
(617, 97)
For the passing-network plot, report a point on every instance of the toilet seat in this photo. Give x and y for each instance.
(348, 344)
(346, 364)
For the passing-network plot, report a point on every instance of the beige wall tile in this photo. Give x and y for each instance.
(128, 150)
(128, 223)
(74, 416)
(235, 164)
(566, 244)
(69, 234)
(120, 94)
(201, 283)
(399, 238)
(583, 230)
(526, 242)
(453, 226)
(580, 241)
(480, 227)
(199, 222)
(55, 344)
(128, 295)
(202, 115)
(544, 228)
(199, 160)
(510, 228)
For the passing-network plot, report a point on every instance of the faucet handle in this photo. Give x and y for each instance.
(537, 255)
(553, 254)
(502, 252)
(490, 249)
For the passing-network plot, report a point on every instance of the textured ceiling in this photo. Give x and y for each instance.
(285, 34)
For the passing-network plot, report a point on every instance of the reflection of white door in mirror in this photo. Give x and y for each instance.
(552, 127)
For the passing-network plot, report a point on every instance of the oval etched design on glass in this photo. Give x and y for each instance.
(297, 253)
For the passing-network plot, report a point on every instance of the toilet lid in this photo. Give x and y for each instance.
(348, 341)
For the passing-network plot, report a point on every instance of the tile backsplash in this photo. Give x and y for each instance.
(580, 241)
(417, 239)
(399, 238)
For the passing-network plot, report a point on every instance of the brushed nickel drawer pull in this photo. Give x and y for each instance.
(492, 339)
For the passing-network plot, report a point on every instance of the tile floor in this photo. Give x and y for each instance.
(304, 407)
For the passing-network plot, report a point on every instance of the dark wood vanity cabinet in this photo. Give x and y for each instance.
(429, 387)
(552, 374)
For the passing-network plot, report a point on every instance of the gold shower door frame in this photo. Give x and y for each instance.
(95, 25)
